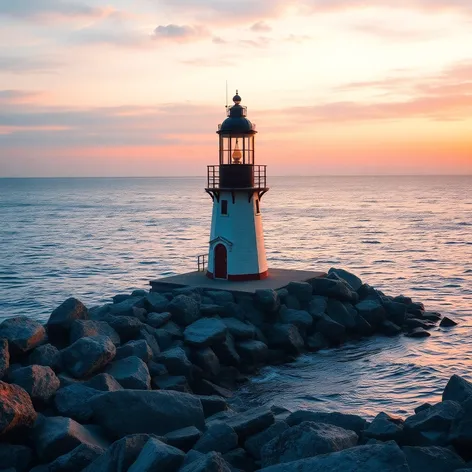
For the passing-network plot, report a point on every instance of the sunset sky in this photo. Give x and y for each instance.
(137, 88)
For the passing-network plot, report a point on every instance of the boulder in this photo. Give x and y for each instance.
(156, 369)
(155, 302)
(74, 402)
(212, 404)
(209, 310)
(88, 355)
(185, 310)
(307, 439)
(422, 407)
(176, 362)
(457, 389)
(226, 351)
(15, 456)
(183, 439)
(292, 302)
(461, 432)
(418, 333)
(89, 328)
(104, 383)
(46, 355)
(385, 457)
(372, 311)
(432, 459)
(178, 383)
(300, 318)
(431, 427)
(164, 339)
(286, 337)
(120, 455)
(127, 307)
(239, 459)
(174, 330)
(333, 289)
(131, 372)
(139, 348)
(205, 332)
(316, 342)
(127, 327)
(218, 437)
(56, 436)
(317, 307)
(205, 387)
(16, 409)
(251, 422)
(255, 443)
(77, 459)
(346, 421)
(40, 382)
(156, 456)
(156, 320)
(334, 332)
(267, 300)
(385, 428)
(147, 334)
(22, 333)
(338, 312)
(396, 312)
(220, 297)
(389, 328)
(447, 322)
(191, 456)
(354, 282)
(363, 328)
(411, 323)
(61, 319)
(239, 329)
(4, 357)
(303, 291)
(139, 411)
(211, 462)
(207, 360)
(252, 352)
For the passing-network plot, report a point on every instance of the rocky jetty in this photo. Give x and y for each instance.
(142, 384)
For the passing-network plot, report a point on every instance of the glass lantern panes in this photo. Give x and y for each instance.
(237, 149)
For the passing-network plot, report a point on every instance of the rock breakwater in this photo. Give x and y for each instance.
(142, 383)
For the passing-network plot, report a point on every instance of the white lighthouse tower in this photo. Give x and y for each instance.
(236, 187)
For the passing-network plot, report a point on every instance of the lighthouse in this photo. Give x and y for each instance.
(236, 186)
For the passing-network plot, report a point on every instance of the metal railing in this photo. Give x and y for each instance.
(213, 176)
(260, 177)
(202, 263)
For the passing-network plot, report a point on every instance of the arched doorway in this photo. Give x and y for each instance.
(221, 262)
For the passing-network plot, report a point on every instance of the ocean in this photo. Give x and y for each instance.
(95, 237)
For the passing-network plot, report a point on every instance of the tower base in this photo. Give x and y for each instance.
(242, 277)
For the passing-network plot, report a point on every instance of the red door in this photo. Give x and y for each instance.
(221, 262)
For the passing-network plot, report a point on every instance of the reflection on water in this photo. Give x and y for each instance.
(92, 238)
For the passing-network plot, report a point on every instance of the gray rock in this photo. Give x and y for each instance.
(40, 382)
(155, 302)
(127, 327)
(251, 422)
(15, 456)
(212, 404)
(422, 407)
(307, 439)
(131, 372)
(178, 383)
(164, 339)
(140, 411)
(220, 297)
(255, 443)
(211, 462)
(184, 439)
(333, 289)
(22, 333)
(157, 455)
(46, 355)
(176, 362)
(385, 428)
(139, 348)
(147, 334)
(192, 456)
(354, 282)
(205, 332)
(238, 459)
(252, 352)
(386, 457)
(74, 402)
(363, 328)
(286, 337)
(61, 319)
(316, 342)
(156, 369)
(411, 323)
(205, 387)
(432, 459)
(338, 312)
(4, 357)
(239, 329)
(77, 459)
(226, 351)
(352, 422)
(372, 311)
(218, 437)
(127, 307)
(120, 455)
(461, 433)
(300, 318)
(88, 355)
(156, 320)
(209, 310)
(447, 322)
(431, 427)
(317, 307)
(292, 302)
(457, 389)
(174, 330)
(389, 328)
(56, 436)
(185, 310)
(89, 328)
(303, 291)
(207, 360)
(334, 332)
(267, 300)
(418, 333)
(104, 383)
(396, 312)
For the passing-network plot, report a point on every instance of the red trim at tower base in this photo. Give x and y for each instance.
(242, 277)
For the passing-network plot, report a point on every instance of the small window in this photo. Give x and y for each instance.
(224, 207)
(258, 210)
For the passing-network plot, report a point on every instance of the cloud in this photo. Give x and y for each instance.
(181, 33)
(19, 65)
(11, 97)
(298, 38)
(396, 33)
(261, 27)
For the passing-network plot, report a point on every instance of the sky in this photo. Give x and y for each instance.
(138, 87)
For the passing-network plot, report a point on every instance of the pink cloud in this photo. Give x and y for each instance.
(180, 33)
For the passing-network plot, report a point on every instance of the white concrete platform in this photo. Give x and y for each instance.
(278, 278)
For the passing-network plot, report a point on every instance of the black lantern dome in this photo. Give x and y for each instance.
(236, 123)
